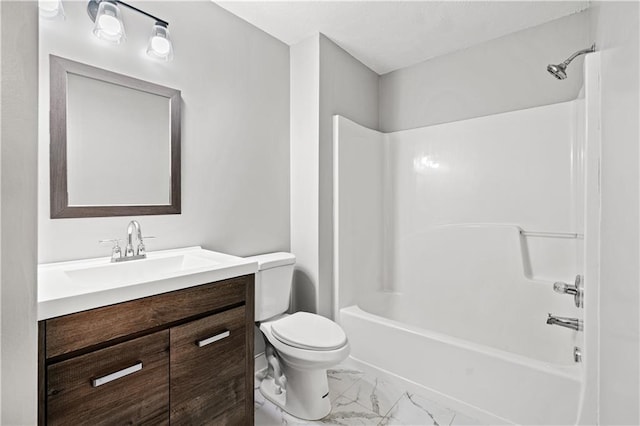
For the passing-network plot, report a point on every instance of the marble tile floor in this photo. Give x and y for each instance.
(361, 399)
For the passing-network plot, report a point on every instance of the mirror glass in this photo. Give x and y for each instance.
(118, 145)
(114, 143)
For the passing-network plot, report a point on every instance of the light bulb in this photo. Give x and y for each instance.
(51, 9)
(109, 24)
(160, 46)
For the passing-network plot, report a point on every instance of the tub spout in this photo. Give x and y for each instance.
(572, 323)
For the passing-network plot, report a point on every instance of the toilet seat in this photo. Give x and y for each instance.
(309, 331)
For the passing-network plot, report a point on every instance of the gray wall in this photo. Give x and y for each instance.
(18, 224)
(505, 74)
(616, 34)
(234, 80)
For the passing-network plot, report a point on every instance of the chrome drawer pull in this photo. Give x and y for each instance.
(115, 376)
(205, 342)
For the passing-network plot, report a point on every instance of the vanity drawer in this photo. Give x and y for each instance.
(81, 330)
(208, 368)
(88, 390)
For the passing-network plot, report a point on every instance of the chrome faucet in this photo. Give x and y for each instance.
(134, 226)
(572, 323)
(140, 251)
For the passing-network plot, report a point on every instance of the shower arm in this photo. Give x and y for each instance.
(580, 52)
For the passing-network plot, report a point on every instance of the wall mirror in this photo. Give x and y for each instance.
(115, 143)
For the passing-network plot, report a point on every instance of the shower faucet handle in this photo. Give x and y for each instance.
(575, 290)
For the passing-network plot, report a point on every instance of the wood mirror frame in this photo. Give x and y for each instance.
(60, 208)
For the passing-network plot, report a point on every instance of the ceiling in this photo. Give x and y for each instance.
(388, 35)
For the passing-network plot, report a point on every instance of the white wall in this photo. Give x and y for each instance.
(616, 35)
(325, 80)
(505, 74)
(18, 226)
(234, 80)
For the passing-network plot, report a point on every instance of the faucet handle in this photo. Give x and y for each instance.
(142, 250)
(116, 251)
(574, 290)
(563, 288)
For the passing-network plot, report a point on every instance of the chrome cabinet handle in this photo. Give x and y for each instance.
(115, 376)
(208, 341)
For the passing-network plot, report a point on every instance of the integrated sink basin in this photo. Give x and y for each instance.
(69, 287)
(152, 268)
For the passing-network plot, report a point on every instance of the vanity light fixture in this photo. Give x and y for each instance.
(51, 9)
(109, 26)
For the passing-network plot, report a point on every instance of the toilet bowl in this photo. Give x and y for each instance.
(304, 359)
(299, 346)
(307, 340)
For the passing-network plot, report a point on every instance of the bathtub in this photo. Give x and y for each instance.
(467, 323)
(492, 385)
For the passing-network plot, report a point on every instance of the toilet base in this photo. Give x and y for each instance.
(306, 394)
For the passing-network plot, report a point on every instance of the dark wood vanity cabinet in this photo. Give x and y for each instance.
(184, 358)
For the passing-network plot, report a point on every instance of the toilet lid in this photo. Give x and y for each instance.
(309, 331)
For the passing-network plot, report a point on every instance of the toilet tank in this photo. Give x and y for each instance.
(273, 284)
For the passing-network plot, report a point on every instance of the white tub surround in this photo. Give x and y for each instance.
(448, 240)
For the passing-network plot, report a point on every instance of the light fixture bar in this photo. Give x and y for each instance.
(92, 10)
(109, 26)
(162, 21)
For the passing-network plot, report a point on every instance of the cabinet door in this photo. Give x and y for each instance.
(208, 369)
(127, 383)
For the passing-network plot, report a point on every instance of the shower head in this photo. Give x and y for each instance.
(559, 71)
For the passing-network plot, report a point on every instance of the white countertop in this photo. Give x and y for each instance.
(69, 287)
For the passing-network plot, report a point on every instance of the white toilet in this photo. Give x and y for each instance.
(299, 347)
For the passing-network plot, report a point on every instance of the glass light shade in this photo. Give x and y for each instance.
(160, 46)
(51, 9)
(109, 25)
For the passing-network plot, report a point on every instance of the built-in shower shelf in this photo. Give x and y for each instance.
(570, 235)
